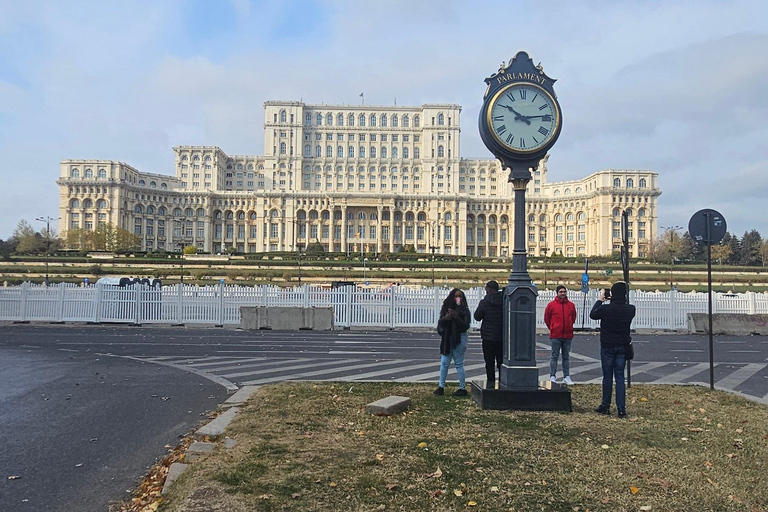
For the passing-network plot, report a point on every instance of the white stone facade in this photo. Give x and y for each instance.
(356, 178)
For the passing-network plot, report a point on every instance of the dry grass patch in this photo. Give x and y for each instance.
(312, 447)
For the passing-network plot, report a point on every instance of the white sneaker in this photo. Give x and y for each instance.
(568, 381)
(553, 378)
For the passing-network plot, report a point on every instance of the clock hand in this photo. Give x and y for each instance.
(518, 115)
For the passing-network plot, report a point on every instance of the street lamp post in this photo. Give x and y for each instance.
(433, 247)
(364, 268)
(47, 220)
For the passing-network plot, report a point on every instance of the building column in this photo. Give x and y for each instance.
(379, 243)
(344, 228)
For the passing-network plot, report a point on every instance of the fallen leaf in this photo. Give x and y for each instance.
(422, 445)
(436, 494)
(645, 508)
(708, 464)
(643, 399)
(696, 429)
(634, 490)
(739, 430)
(13, 477)
(361, 433)
(702, 411)
(605, 447)
(392, 487)
(711, 482)
(730, 455)
(683, 438)
(332, 484)
(734, 498)
(437, 474)
(472, 504)
(458, 492)
(494, 489)
(379, 456)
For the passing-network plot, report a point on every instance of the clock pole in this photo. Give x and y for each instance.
(518, 369)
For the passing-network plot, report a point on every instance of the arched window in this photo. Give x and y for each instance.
(416, 121)
(177, 212)
(416, 153)
(383, 120)
(440, 152)
(448, 216)
(142, 183)
(641, 183)
(581, 216)
(542, 218)
(163, 186)
(328, 119)
(394, 120)
(307, 150)
(207, 158)
(89, 173)
(384, 152)
(629, 212)
(351, 120)
(102, 173)
(630, 183)
(361, 120)
(230, 216)
(641, 212)
(273, 214)
(569, 217)
(405, 152)
(103, 204)
(616, 182)
(319, 120)
(138, 209)
(616, 212)
(373, 152)
(351, 152)
(318, 151)
(361, 152)
(75, 173)
(184, 158)
(578, 190)
(422, 217)
(313, 215)
(308, 119)
(440, 119)
(373, 119)
(161, 211)
(405, 121)
(75, 203)
(153, 184)
(196, 158)
(504, 219)
(329, 151)
(409, 217)
(217, 215)
(188, 212)
(200, 212)
(252, 215)
(532, 218)
(241, 215)
(556, 193)
(282, 148)
(558, 218)
(340, 120)
(361, 216)
(340, 151)
(283, 117)
(567, 192)
(394, 152)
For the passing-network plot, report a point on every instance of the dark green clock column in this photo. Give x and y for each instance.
(518, 369)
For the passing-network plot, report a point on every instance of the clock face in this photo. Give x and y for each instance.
(523, 117)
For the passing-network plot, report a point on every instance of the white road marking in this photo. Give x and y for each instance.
(327, 371)
(739, 376)
(680, 375)
(433, 375)
(313, 364)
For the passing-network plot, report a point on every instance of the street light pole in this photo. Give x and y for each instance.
(47, 220)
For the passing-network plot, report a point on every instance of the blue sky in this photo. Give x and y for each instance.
(676, 87)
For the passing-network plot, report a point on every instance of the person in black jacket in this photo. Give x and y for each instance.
(452, 327)
(615, 321)
(491, 312)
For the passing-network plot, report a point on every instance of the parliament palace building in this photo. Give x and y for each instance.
(356, 178)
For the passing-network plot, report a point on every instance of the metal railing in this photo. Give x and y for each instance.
(392, 307)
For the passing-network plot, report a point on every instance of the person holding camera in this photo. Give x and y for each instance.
(452, 327)
(559, 316)
(615, 321)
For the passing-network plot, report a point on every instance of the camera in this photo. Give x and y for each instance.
(608, 293)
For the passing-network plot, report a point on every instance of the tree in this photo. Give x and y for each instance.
(732, 242)
(674, 247)
(7, 248)
(750, 248)
(106, 237)
(721, 253)
(28, 241)
(190, 249)
(764, 252)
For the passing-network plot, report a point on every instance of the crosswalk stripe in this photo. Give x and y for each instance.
(742, 374)
(313, 364)
(636, 370)
(435, 374)
(680, 376)
(326, 371)
(574, 355)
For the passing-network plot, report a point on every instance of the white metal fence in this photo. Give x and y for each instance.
(391, 307)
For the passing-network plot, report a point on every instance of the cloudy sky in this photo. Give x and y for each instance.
(678, 87)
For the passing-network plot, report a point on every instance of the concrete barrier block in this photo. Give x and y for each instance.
(728, 323)
(174, 472)
(218, 425)
(286, 318)
(198, 449)
(389, 405)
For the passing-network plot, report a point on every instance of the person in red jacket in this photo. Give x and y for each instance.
(560, 316)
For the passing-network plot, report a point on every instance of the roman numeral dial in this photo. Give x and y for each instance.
(523, 117)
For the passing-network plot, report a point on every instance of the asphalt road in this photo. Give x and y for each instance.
(84, 410)
(80, 429)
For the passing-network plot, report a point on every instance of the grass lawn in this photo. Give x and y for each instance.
(312, 447)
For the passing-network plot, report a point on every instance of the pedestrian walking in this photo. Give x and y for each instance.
(615, 321)
(452, 327)
(560, 315)
(490, 312)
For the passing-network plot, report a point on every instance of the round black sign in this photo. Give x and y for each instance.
(703, 219)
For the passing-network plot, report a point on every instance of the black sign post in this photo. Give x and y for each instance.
(708, 227)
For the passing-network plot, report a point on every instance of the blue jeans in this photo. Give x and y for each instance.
(565, 345)
(457, 354)
(613, 360)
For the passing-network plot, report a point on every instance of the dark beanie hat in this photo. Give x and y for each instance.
(560, 287)
(619, 292)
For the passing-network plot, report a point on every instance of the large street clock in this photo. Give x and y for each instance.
(520, 119)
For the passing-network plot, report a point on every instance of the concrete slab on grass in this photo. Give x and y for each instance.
(198, 449)
(389, 405)
(218, 425)
(174, 472)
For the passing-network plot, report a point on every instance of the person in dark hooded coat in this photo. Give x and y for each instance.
(452, 327)
(491, 312)
(615, 321)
